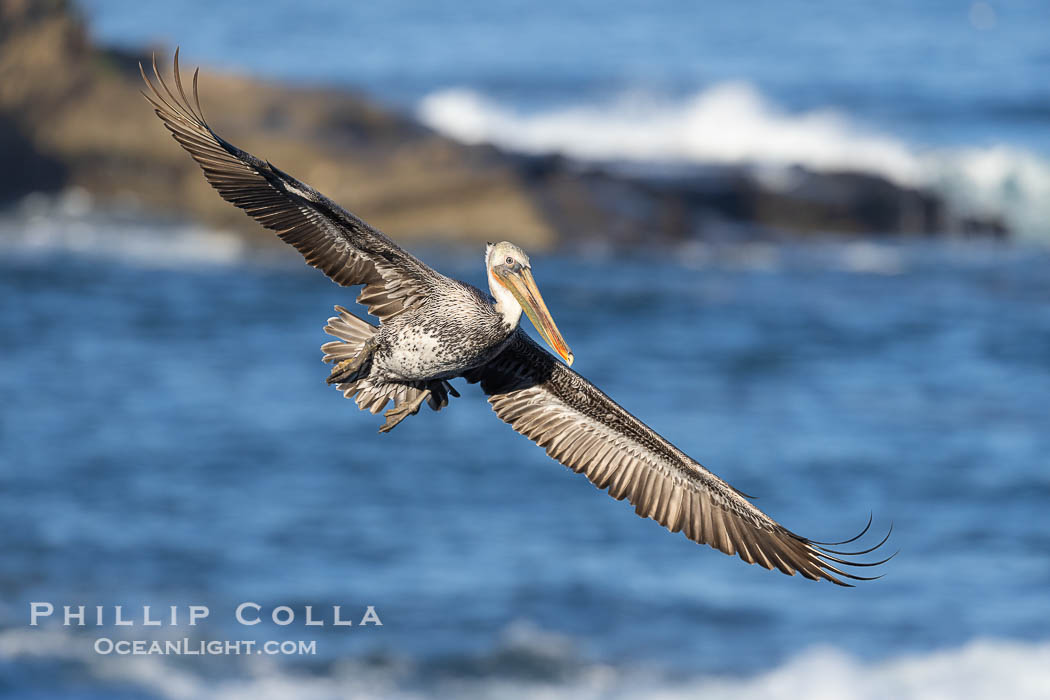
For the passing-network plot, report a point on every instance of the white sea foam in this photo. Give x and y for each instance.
(69, 223)
(980, 669)
(733, 123)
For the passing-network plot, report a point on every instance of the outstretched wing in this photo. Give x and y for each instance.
(330, 238)
(588, 432)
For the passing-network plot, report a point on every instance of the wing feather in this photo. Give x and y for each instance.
(588, 432)
(330, 238)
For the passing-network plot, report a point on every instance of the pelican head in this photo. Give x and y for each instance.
(512, 285)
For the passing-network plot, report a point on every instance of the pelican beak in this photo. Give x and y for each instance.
(523, 287)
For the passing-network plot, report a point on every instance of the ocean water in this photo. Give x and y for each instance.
(168, 439)
(950, 95)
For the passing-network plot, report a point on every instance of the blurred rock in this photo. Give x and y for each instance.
(79, 107)
(631, 206)
(25, 169)
(71, 115)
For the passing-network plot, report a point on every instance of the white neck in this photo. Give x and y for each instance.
(506, 305)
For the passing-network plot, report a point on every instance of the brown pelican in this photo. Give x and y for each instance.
(432, 329)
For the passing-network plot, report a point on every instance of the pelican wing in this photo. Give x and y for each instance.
(581, 427)
(331, 239)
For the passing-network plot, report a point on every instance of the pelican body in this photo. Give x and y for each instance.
(434, 329)
(452, 329)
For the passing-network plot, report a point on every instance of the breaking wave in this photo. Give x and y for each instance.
(69, 223)
(533, 663)
(733, 123)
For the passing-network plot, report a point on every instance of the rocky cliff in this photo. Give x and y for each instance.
(71, 115)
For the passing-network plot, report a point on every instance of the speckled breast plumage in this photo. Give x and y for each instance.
(454, 330)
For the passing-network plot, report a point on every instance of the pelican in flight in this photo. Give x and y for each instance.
(433, 329)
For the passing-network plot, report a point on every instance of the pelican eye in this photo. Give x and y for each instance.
(510, 260)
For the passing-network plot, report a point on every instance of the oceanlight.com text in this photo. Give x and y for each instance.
(213, 647)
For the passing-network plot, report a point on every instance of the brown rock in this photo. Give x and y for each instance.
(79, 108)
(71, 114)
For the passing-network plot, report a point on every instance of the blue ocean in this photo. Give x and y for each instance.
(168, 439)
